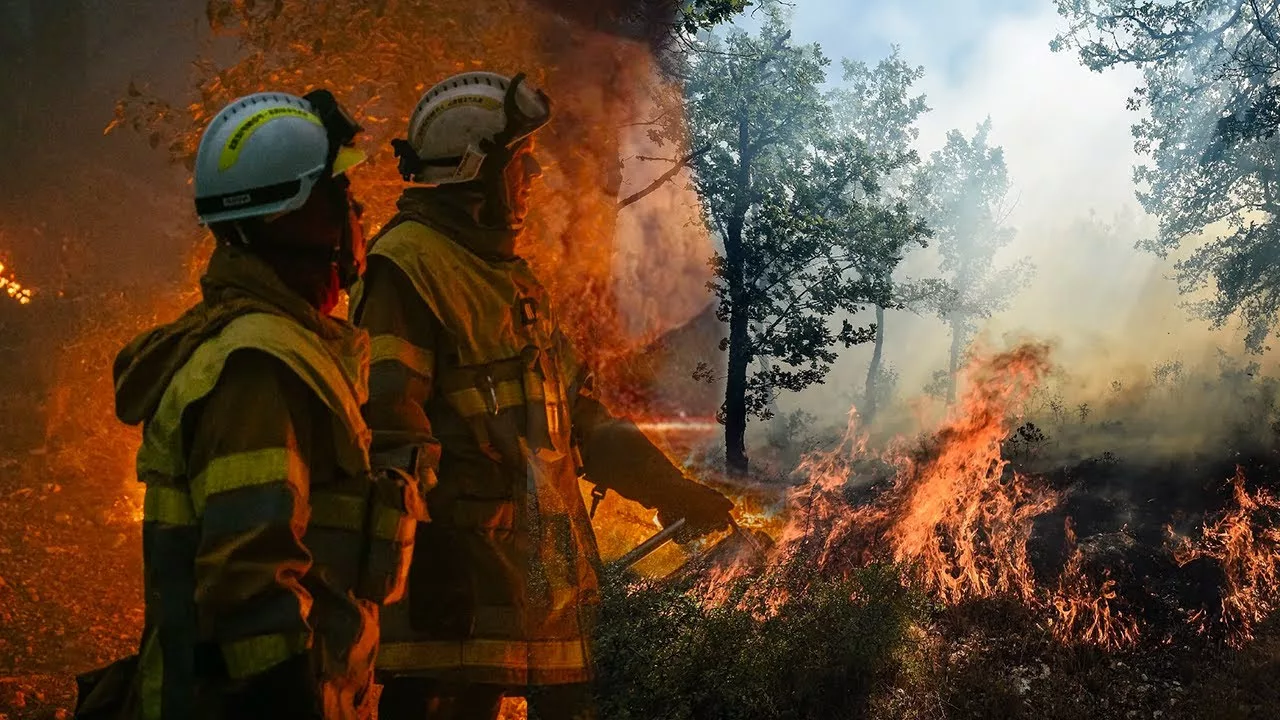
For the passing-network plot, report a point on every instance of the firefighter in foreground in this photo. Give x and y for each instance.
(268, 543)
(470, 367)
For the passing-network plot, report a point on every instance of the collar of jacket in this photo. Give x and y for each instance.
(454, 210)
(235, 283)
(235, 275)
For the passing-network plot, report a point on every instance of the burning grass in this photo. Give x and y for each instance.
(995, 588)
(1244, 542)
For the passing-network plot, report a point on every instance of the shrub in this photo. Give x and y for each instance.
(665, 654)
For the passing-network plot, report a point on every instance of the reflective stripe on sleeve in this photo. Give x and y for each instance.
(253, 655)
(245, 469)
(391, 347)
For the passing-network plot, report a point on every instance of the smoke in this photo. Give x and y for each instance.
(1108, 309)
(662, 246)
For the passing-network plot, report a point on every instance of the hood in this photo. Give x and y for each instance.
(234, 284)
(454, 210)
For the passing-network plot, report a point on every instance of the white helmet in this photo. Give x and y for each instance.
(263, 154)
(457, 118)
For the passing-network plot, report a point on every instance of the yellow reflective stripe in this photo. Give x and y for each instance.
(511, 655)
(240, 137)
(468, 403)
(338, 377)
(510, 393)
(471, 402)
(391, 347)
(533, 387)
(257, 654)
(335, 510)
(346, 512)
(391, 524)
(245, 469)
(151, 682)
(168, 505)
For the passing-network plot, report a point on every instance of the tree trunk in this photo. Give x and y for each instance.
(955, 359)
(873, 370)
(735, 392)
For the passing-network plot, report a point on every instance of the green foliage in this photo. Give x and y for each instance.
(1213, 110)
(797, 199)
(875, 105)
(665, 655)
(701, 15)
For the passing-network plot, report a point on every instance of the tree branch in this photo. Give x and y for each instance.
(664, 177)
(1261, 21)
(786, 312)
(654, 121)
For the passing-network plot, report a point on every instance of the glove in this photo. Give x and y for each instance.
(704, 511)
(288, 691)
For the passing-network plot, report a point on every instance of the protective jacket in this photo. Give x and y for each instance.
(266, 537)
(468, 363)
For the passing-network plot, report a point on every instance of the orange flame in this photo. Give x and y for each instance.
(955, 516)
(952, 514)
(1083, 610)
(961, 518)
(1247, 547)
(13, 288)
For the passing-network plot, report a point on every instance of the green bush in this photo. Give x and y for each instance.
(663, 654)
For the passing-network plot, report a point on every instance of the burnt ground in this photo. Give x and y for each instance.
(993, 659)
(1125, 515)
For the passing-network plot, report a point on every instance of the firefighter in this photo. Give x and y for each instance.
(268, 542)
(469, 367)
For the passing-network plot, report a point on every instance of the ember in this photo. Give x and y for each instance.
(13, 288)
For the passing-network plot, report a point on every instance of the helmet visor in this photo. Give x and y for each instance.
(347, 158)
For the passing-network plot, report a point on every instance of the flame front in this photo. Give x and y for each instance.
(952, 513)
(958, 520)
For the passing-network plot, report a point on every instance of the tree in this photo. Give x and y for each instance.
(1211, 88)
(875, 105)
(797, 209)
(967, 185)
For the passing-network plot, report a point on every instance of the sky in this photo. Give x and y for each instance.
(1108, 308)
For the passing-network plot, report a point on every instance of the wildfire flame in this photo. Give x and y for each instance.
(951, 512)
(1084, 611)
(1246, 543)
(13, 288)
(959, 515)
